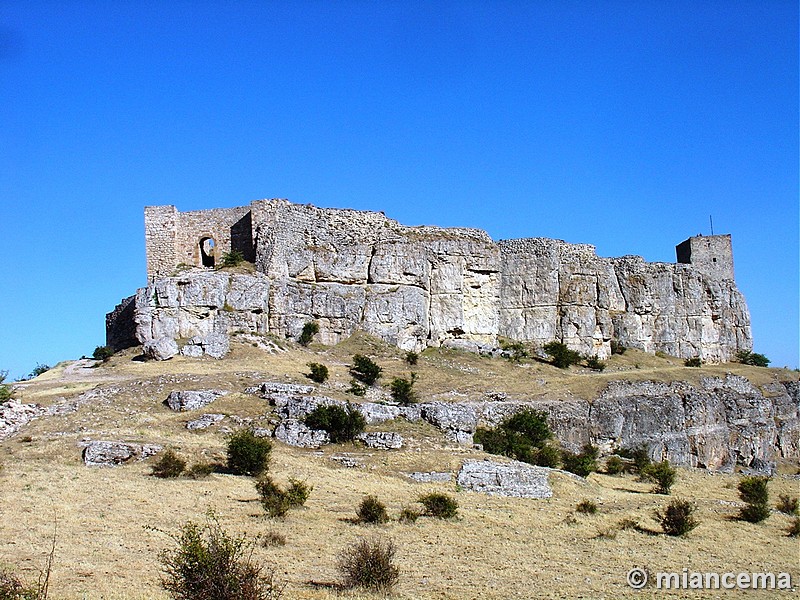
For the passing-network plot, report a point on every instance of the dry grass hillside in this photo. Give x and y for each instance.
(106, 520)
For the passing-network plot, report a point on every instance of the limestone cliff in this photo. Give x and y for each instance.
(428, 286)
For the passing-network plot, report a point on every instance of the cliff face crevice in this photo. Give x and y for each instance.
(427, 286)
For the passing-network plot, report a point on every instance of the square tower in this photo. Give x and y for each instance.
(710, 254)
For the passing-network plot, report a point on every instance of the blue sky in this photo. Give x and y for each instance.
(617, 123)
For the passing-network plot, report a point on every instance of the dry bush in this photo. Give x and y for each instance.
(369, 564)
(372, 511)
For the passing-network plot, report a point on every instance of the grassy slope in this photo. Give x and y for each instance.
(499, 548)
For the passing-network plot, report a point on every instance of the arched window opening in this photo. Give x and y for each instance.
(207, 252)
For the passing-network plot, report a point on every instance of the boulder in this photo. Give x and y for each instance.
(110, 453)
(296, 433)
(516, 479)
(184, 400)
(205, 421)
(162, 348)
(385, 440)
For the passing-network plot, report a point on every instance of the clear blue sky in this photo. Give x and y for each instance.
(623, 124)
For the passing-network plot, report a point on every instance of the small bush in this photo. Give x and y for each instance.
(403, 390)
(614, 465)
(595, 363)
(693, 361)
(586, 507)
(628, 523)
(514, 351)
(13, 588)
(788, 504)
(369, 564)
(310, 329)
(546, 456)
(408, 515)
(274, 500)
(200, 470)
(170, 465)
(210, 564)
(365, 370)
(298, 492)
(617, 347)
(248, 454)
(372, 511)
(272, 538)
(581, 464)
(39, 369)
(357, 389)
(753, 491)
(318, 374)
(103, 353)
(755, 359)
(232, 259)
(5, 391)
(640, 457)
(342, 425)
(439, 505)
(412, 357)
(662, 474)
(521, 436)
(561, 356)
(678, 518)
(794, 528)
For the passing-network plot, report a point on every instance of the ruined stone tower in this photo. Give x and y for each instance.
(712, 255)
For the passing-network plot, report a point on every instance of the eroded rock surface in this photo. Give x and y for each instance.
(185, 400)
(515, 479)
(111, 453)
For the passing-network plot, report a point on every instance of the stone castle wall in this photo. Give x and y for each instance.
(428, 286)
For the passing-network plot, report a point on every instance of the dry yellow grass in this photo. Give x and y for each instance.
(498, 548)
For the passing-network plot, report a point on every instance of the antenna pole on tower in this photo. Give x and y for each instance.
(712, 224)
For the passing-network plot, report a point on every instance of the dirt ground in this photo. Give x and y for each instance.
(109, 524)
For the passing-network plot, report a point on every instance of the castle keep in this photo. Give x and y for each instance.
(420, 286)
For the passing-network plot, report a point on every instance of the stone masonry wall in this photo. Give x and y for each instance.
(426, 286)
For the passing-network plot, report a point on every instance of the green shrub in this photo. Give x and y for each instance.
(365, 370)
(678, 518)
(561, 356)
(298, 492)
(595, 363)
(232, 259)
(342, 425)
(5, 391)
(170, 465)
(662, 474)
(210, 564)
(753, 491)
(521, 436)
(788, 504)
(412, 357)
(614, 465)
(310, 329)
(746, 357)
(640, 457)
(274, 500)
(103, 353)
(200, 470)
(514, 351)
(39, 369)
(794, 528)
(439, 505)
(403, 390)
(369, 564)
(586, 507)
(372, 511)
(693, 361)
(357, 389)
(408, 515)
(318, 374)
(248, 454)
(581, 464)
(546, 456)
(617, 347)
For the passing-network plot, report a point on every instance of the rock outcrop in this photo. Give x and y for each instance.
(184, 400)
(422, 286)
(515, 479)
(111, 453)
(15, 414)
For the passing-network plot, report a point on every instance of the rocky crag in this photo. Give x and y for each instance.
(419, 286)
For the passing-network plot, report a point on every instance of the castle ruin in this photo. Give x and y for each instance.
(421, 286)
